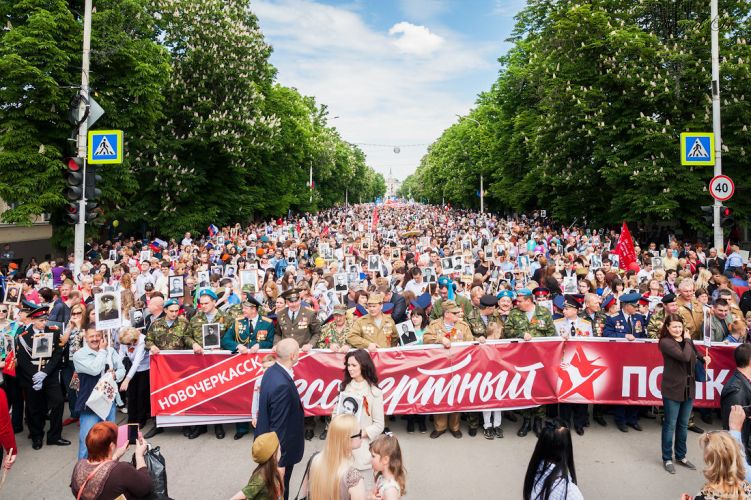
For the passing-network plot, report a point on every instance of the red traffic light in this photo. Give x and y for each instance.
(74, 164)
(726, 212)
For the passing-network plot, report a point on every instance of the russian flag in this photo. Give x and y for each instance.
(213, 230)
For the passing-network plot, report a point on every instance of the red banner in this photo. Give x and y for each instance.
(431, 379)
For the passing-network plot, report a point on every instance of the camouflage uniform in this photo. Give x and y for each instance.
(330, 335)
(170, 338)
(200, 319)
(541, 325)
(656, 319)
(478, 326)
(461, 301)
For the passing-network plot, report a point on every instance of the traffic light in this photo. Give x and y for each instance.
(92, 193)
(74, 191)
(726, 217)
(708, 214)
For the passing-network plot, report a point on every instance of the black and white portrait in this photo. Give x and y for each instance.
(137, 319)
(211, 338)
(7, 343)
(112, 255)
(107, 308)
(13, 295)
(595, 262)
(395, 253)
(145, 255)
(42, 345)
(349, 403)
(203, 279)
(447, 264)
(176, 287)
(340, 283)
(457, 264)
(428, 275)
(217, 270)
(373, 263)
(570, 285)
(615, 260)
(230, 271)
(249, 277)
(406, 332)
(657, 263)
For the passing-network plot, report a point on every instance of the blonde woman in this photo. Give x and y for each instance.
(725, 469)
(703, 278)
(332, 474)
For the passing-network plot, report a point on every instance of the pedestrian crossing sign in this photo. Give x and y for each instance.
(697, 148)
(105, 146)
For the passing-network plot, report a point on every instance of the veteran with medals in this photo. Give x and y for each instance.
(246, 335)
(40, 381)
(375, 329)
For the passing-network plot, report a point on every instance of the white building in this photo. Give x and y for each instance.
(392, 185)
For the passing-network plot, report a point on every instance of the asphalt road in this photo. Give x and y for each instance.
(609, 464)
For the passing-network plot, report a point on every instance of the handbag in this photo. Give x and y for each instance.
(157, 467)
(102, 397)
(304, 477)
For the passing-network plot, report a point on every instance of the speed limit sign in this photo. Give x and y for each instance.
(721, 187)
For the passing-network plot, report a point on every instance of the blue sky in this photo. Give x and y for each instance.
(395, 72)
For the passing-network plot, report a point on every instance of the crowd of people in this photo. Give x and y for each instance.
(357, 279)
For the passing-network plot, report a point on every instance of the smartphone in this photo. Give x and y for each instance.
(132, 433)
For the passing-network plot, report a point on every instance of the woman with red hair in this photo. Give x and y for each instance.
(101, 476)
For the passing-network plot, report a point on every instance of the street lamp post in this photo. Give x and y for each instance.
(482, 191)
(715, 33)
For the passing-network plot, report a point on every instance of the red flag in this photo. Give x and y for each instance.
(728, 250)
(374, 220)
(625, 248)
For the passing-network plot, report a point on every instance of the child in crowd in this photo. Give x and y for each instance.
(737, 332)
(266, 482)
(390, 476)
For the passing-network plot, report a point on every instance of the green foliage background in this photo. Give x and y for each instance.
(210, 137)
(586, 114)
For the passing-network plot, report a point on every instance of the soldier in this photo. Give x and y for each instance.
(443, 291)
(657, 318)
(528, 320)
(40, 381)
(334, 334)
(444, 331)
(571, 325)
(170, 332)
(630, 325)
(207, 313)
(375, 329)
(594, 314)
(302, 324)
(246, 335)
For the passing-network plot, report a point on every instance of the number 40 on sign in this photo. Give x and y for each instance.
(721, 188)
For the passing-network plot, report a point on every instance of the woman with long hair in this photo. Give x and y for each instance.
(332, 474)
(725, 471)
(420, 321)
(678, 388)
(265, 482)
(551, 472)
(360, 379)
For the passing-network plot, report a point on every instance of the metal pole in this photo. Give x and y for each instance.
(715, 27)
(482, 196)
(80, 230)
(310, 183)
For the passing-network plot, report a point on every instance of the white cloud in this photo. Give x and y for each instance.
(412, 39)
(401, 87)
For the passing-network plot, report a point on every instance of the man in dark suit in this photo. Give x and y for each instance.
(630, 325)
(399, 314)
(280, 409)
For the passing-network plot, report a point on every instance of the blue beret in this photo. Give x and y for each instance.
(524, 292)
(207, 291)
(171, 302)
(505, 293)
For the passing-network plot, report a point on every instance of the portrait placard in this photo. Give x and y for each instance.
(406, 332)
(349, 404)
(42, 345)
(211, 338)
(13, 295)
(107, 310)
(176, 287)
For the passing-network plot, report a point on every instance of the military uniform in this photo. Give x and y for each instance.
(240, 333)
(365, 331)
(50, 396)
(330, 335)
(581, 327)
(460, 300)
(479, 326)
(167, 337)
(200, 319)
(541, 324)
(434, 334)
(656, 319)
(305, 329)
(597, 322)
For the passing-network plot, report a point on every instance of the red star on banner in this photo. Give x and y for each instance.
(578, 376)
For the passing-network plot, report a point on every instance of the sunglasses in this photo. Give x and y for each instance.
(4, 311)
(72, 314)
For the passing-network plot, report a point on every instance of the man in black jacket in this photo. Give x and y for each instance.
(399, 314)
(737, 391)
